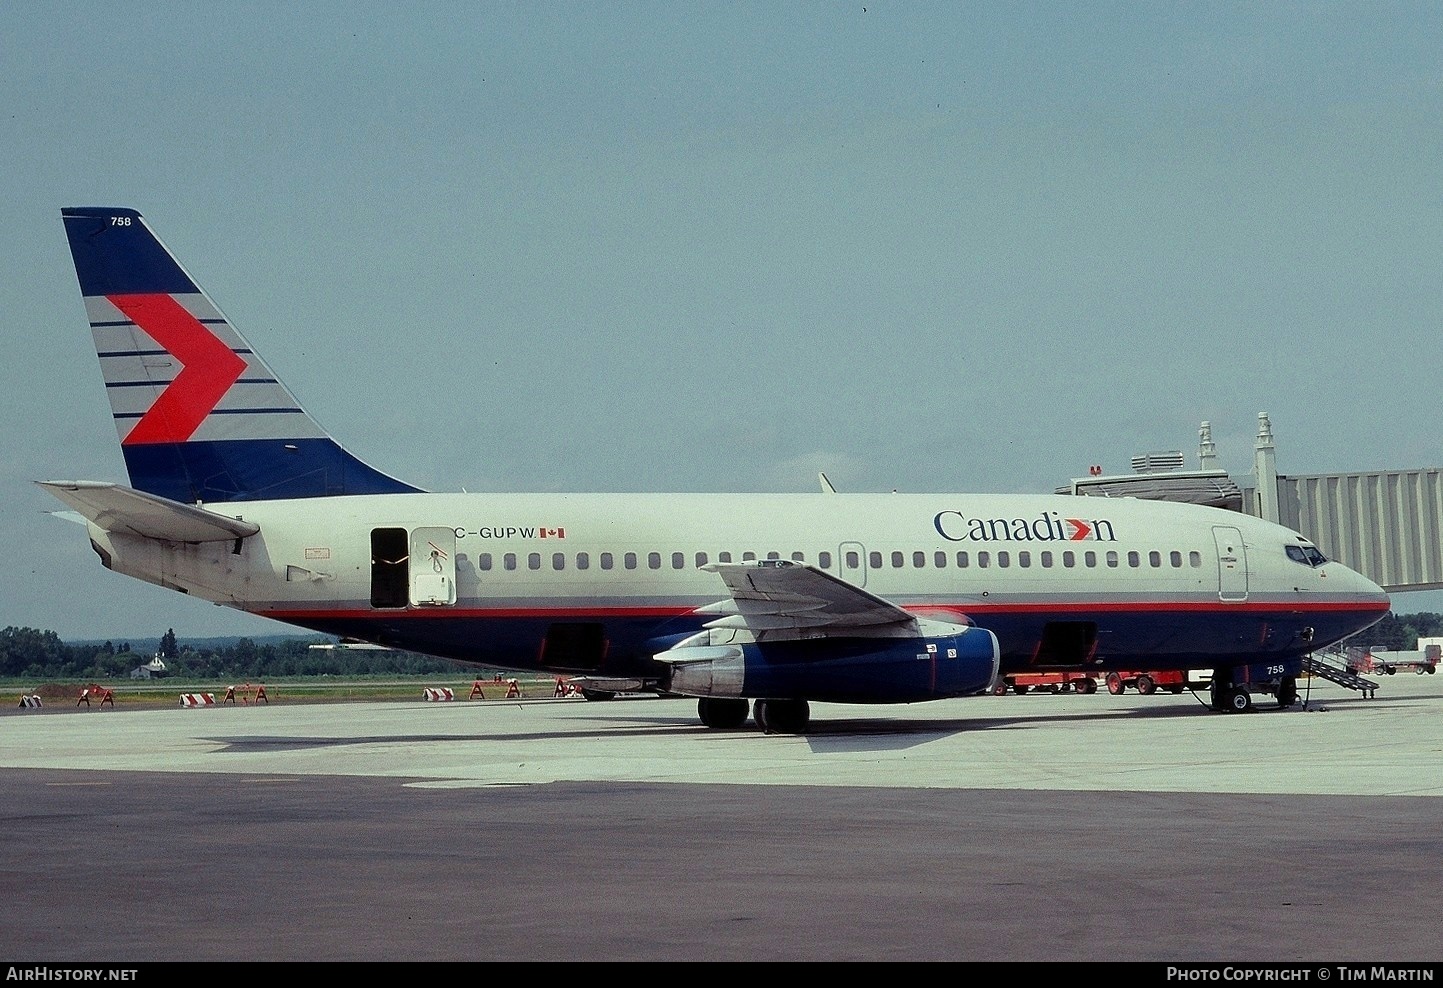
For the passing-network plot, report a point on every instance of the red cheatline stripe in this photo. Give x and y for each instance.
(209, 368)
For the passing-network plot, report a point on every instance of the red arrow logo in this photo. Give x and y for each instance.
(208, 368)
(1080, 529)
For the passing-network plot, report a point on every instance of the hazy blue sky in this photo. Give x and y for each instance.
(723, 246)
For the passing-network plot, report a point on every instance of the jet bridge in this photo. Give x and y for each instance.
(1386, 524)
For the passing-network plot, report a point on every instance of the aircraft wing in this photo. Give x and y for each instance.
(778, 595)
(123, 509)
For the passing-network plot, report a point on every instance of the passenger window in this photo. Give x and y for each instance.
(983, 559)
(919, 559)
(1024, 558)
(1175, 558)
(606, 560)
(854, 559)
(510, 560)
(939, 559)
(774, 555)
(483, 562)
(653, 560)
(874, 559)
(1069, 558)
(962, 559)
(896, 559)
(723, 557)
(558, 560)
(1004, 559)
(533, 560)
(583, 560)
(799, 557)
(1045, 557)
(748, 556)
(629, 560)
(1089, 559)
(678, 560)
(1133, 559)
(1154, 559)
(700, 560)
(824, 559)
(1194, 559)
(1112, 557)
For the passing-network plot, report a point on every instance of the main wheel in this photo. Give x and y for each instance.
(722, 712)
(782, 716)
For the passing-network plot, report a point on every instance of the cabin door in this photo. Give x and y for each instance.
(852, 563)
(1232, 563)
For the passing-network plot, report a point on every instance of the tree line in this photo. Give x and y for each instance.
(35, 654)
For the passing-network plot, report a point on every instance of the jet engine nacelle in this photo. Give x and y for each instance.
(839, 670)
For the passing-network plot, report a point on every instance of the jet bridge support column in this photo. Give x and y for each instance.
(1265, 471)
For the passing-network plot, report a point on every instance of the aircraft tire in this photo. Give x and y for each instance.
(722, 713)
(782, 716)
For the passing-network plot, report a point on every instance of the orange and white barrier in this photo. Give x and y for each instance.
(439, 693)
(197, 699)
(100, 694)
(32, 700)
(245, 693)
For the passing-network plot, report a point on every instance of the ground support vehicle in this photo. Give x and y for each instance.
(1045, 682)
(1389, 662)
(1148, 683)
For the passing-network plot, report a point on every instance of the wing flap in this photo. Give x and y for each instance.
(128, 511)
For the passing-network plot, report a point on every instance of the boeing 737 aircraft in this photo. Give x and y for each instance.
(753, 604)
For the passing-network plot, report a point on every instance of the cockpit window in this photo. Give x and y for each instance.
(1306, 554)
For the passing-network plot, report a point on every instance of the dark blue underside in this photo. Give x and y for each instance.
(1155, 639)
(253, 470)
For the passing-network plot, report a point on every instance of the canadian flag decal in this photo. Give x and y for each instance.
(208, 368)
(552, 533)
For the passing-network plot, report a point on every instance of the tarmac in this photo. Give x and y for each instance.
(1043, 827)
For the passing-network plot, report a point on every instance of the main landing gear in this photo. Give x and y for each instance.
(772, 716)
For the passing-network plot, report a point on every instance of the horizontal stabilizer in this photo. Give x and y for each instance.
(128, 511)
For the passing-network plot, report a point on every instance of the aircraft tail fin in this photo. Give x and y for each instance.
(200, 416)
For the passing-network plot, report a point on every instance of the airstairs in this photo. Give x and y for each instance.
(1338, 672)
